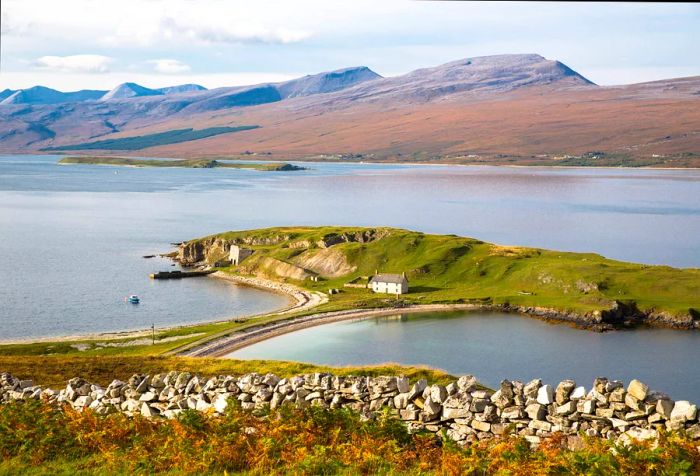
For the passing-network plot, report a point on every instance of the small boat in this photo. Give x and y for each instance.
(133, 299)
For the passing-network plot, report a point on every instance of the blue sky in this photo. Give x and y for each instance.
(75, 44)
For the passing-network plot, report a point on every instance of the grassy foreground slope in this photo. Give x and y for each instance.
(55, 370)
(453, 269)
(187, 163)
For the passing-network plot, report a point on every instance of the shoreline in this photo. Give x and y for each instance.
(553, 166)
(303, 299)
(218, 346)
(228, 342)
(298, 300)
(240, 339)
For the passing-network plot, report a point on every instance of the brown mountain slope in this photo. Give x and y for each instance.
(636, 121)
(498, 109)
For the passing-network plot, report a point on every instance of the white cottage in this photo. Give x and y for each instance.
(389, 283)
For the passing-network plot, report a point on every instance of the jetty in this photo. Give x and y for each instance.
(179, 274)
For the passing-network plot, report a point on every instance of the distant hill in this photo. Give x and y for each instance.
(130, 90)
(6, 93)
(522, 109)
(182, 88)
(43, 95)
(491, 74)
(224, 98)
(326, 82)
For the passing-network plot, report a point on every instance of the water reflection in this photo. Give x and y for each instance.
(494, 346)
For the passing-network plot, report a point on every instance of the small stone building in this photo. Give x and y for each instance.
(389, 283)
(238, 254)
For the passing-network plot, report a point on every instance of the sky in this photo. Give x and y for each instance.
(98, 44)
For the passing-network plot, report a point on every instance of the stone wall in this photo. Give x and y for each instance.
(463, 409)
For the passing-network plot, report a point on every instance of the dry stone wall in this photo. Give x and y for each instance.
(463, 410)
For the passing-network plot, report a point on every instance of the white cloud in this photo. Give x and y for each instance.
(170, 66)
(206, 27)
(228, 31)
(161, 23)
(316, 35)
(75, 63)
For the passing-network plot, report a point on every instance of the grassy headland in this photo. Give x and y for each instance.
(187, 163)
(56, 370)
(450, 269)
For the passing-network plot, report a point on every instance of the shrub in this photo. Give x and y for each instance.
(36, 438)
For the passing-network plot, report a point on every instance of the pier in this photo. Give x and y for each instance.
(179, 274)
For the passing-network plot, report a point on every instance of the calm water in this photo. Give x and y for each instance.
(71, 237)
(494, 346)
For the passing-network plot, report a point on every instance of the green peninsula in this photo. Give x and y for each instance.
(186, 163)
(583, 288)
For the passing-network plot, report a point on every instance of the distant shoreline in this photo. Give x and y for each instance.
(177, 163)
(370, 163)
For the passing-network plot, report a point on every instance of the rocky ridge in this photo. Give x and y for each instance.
(464, 410)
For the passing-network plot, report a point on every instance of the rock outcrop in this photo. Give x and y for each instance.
(360, 236)
(280, 269)
(463, 409)
(327, 262)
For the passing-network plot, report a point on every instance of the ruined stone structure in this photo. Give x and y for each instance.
(238, 254)
(465, 410)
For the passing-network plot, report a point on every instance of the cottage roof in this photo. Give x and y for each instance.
(388, 278)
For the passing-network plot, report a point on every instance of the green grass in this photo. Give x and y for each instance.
(187, 163)
(91, 347)
(453, 269)
(55, 370)
(151, 140)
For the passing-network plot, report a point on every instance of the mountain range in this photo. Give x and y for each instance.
(44, 95)
(493, 109)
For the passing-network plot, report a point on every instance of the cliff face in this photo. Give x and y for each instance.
(206, 251)
(211, 249)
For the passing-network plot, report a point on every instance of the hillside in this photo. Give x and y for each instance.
(43, 95)
(584, 288)
(130, 90)
(182, 88)
(150, 140)
(505, 109)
